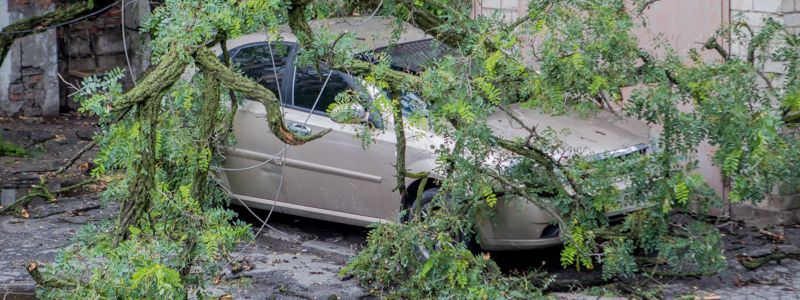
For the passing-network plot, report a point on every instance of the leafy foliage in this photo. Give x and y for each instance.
(148, 265)
(565, 57)
(577, 59)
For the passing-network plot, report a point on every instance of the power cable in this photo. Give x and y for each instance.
(367, 19)
(125, 43)
(265, 221)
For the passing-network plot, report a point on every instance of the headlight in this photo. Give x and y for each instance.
(638, 148)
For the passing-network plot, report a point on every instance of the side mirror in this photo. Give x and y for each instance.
(348, 113)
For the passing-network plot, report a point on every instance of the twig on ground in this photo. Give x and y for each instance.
(41, 190)
(778, 237)
(778, 254)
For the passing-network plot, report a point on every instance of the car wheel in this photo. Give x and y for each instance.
(423, 208)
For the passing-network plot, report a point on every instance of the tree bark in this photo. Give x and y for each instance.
(232, 80)
(400, 133)
(144, 170)
(208, 121)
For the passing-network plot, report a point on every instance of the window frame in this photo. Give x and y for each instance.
(288, 74)
(351, 83)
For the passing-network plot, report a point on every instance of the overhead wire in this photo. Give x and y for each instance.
(282, 153)
(125, 42)
(265, 221)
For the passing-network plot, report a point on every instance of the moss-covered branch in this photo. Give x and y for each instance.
(155, 82)
(41, 190)
(400, 162)
(143, 170)
(752, 262)
(232, 80)
(44, 281)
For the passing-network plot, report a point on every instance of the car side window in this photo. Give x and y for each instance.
(256, 63)
(308, 83)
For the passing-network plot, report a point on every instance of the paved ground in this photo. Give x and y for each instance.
(771, 281)
(300, 258)
(285, 261)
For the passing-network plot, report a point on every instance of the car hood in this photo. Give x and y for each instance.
(596, 134)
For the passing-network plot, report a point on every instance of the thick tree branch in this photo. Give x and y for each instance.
(232, 80)
(399, 130)
(712, 44)
(42, 191)
(161, 77)
(755, 261)
(42, 281)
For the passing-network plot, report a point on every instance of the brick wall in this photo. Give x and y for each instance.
(754, 12)
(29, 78)
(95, 46)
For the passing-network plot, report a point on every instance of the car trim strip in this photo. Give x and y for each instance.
(312, 212)
(305, 165)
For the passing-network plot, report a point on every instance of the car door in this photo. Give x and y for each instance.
(250, 169)
(335, 173)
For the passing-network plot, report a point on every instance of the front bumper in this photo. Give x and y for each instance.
(517, 225)
(520, 225)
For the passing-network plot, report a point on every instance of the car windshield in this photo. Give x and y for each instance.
(411, 57)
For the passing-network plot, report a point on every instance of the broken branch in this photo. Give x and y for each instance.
(755, 261)
(234, 81)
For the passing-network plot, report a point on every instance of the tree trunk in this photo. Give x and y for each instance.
(138, 201)
(208, 121)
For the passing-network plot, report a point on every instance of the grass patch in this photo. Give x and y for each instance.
(10, 149)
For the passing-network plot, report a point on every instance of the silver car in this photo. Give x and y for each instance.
(335, 179)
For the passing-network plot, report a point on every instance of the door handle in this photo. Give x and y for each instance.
(299, 128)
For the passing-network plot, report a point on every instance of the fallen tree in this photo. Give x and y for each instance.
(172, 234)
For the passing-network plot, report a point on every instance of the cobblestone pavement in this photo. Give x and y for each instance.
(771, 281)
(49, 228)
(300, 258)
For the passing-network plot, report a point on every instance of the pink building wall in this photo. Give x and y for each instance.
(685, 24)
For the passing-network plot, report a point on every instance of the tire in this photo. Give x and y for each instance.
(421, 208)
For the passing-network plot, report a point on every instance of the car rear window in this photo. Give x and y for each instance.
(413, 56)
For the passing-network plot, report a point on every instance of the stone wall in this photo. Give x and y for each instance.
(29, 77)
(754, 13)
(28, 80)
(95, 46)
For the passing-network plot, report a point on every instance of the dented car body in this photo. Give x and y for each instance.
(335, 179)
